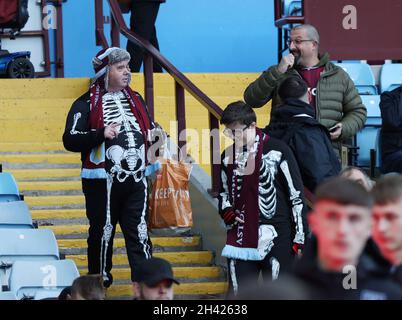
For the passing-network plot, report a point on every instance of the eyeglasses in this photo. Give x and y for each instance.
(297, 42)
(234, 133)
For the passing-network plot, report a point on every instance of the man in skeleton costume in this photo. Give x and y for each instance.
(109, 125)
(261, 201)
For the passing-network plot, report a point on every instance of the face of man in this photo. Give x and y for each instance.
(341, 231)
(119, 76)
(161, 291)
(302, 47)
(387, 230)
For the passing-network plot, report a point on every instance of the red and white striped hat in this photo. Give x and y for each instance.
(107, 57)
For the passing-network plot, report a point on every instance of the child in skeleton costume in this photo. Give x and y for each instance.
(110, 128)
(261, 201)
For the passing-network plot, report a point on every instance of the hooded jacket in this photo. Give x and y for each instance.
(391, 129)
(294, 124)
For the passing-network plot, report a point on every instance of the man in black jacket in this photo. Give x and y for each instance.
(110, 126)
(294, 123)
(387, 223)
(391, 131)
(333, 266)
(142, 22)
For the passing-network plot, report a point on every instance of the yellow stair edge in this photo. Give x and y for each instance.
(196, 257)
(179, 272)
(31, 147)
(199, 288)
(119, 242)
(52, 158)
(49, 185)
(54, 200)
(72, 229)
(26, 174)
(58, 214)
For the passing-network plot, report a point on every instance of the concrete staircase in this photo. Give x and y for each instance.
(32, 119)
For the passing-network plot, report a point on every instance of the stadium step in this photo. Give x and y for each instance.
(196, 258)
(119, 242)
(181, 273)
(49, 176)
(24, 175)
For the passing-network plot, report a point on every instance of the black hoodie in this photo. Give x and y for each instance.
(309, 140)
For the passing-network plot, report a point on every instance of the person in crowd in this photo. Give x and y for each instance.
(333, 97)
(387, 223)
(294, 124)
(88, 287)
(110, 126)
(333, 266)
(260, 201)
(391, 131)
(154, 280)
(142, 22)
(358, 175)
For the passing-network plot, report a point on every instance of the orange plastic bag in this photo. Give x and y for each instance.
(170, 200)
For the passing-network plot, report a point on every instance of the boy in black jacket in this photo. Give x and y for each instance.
(260, 201)
(294, 124)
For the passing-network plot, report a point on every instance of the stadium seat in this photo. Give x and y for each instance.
(367, 138)
(362, 76)
(292, 8)
(45, 279)
(391, 76)
(27, 244)
(8, 188)
(15, 214)
(7, 295)
(372, 104)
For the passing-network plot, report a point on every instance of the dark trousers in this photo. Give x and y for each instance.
(142, 22)
(243, 275)
(129, 207)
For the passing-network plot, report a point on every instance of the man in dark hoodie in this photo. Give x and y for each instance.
(310, 142)
(333, 97)
(391, 131)
(333, 266)
(387, 223)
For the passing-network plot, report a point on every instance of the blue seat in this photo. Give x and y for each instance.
(372, 104)
(391, 76)
(15, 214)
(8, 188)
(367, 138)
(7, 295)
(45, 279)
(292, 8)
(27, 244)
(362, 76)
